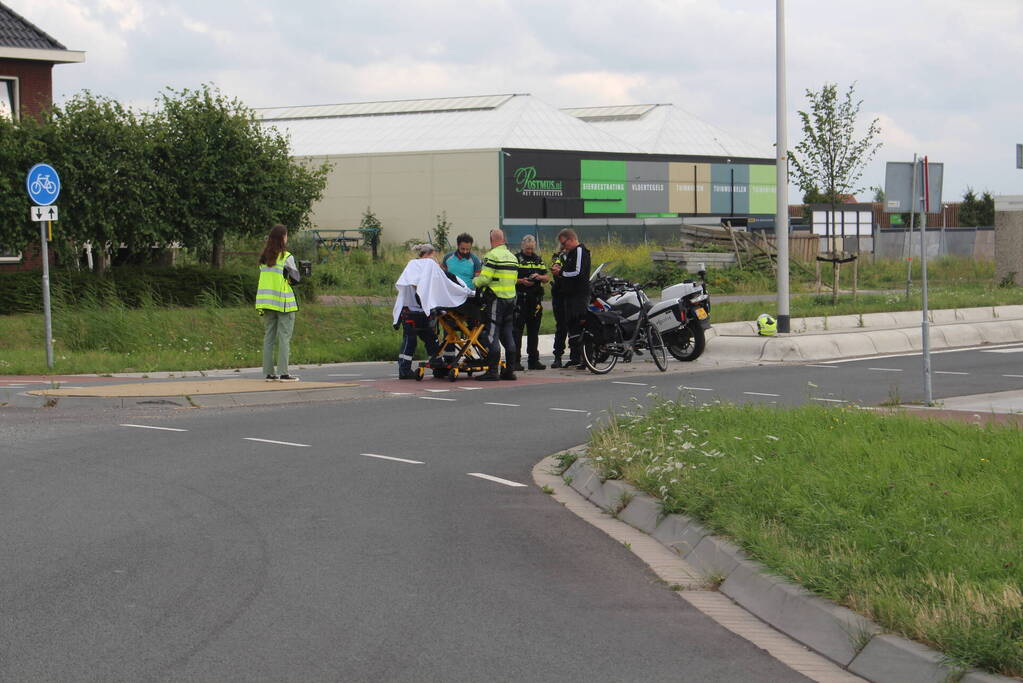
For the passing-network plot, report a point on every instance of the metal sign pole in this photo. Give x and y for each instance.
(925, 323)
(912, 217)
(44, 252)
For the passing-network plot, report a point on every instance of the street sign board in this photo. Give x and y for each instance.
(41, 214)
(898, 186)
(43, 184)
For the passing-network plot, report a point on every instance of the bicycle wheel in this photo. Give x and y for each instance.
(655, 344)
(597, 357)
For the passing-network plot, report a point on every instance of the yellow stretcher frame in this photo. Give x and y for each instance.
(461, 348)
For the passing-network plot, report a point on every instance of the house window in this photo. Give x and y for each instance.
(8, 99)
(9, 255)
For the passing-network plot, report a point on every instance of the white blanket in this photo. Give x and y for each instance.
(424, 277)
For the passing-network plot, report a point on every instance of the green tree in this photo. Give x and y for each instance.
(371, 222)
(111, 190)
(226, 172)
(830, 158)
(21, 146)
(974, 211)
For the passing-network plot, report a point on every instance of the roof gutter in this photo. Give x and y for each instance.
(37, 55)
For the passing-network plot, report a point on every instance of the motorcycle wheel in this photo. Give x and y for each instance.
(691, 347)
(598, 359)
(655, 344)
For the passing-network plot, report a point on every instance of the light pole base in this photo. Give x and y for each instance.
(783, 324)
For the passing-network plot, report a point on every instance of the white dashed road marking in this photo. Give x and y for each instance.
(697, 389)
(1016, 376)
(346, 374)
(949, 372)
(470, 388)
(162, 429)
(633, 384)
(1013, 350)
(438, 391)
(387, 457)
(497, 479)
(437, 398)
(507, 405)
(830, 367)
(830, 400)
(278, 443)
(885, 369)
(758, 393)
(569, 410)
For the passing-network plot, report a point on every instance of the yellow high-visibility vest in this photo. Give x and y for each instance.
(274, 292)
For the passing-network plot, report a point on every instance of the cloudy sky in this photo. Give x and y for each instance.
(942, 76)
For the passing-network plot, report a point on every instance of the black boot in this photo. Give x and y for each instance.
(536, 365)
(508, 373)
(557, 362)
(490, 375)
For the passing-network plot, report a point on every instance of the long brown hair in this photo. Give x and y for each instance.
(274, 246)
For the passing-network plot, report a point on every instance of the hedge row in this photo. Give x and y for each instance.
(134, 287)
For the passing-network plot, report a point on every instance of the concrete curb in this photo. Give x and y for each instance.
(852, 641)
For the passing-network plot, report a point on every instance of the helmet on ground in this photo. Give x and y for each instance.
(767, 326)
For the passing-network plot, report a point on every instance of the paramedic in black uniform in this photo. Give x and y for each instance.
(573, 277)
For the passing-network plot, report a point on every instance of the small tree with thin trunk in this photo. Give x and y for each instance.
(830, 159)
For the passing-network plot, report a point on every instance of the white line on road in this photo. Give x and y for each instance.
(820, 366)
(1017, 376)
(497, 479)
(886, 369)
(367, 380)
(830, 400)
(569, 410)
(347, 374)
(401, 393)
(437, 398)
(162, 429)
(633, 384)
(1015, 350)
(438, 391)
(279, 443)
(949, 372)
(507, 405)
(986, 348)
(470, 388)
(697, 389)
(759, 393)
(387, 457)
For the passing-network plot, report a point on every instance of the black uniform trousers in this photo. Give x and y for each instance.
(574, 308)
(528, 313)
(415, 325)
(500, 332)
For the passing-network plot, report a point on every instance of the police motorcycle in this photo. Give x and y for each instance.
(618, 325)
(683, 317)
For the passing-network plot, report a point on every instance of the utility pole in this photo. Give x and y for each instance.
(926, 323)
(781, 209)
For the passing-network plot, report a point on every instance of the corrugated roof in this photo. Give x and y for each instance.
(493, 122)
(17, 31)
(666, 129)
(440, 104)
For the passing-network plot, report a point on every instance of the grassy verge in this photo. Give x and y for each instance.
(965, 295)
(118, 339)
(915, 524)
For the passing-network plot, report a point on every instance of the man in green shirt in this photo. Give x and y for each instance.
(499, 273)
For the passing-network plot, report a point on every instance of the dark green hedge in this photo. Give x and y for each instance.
(135, 286)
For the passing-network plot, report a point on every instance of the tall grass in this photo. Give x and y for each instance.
(107, 338)
(915, 524)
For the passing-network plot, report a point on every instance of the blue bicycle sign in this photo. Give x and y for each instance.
(43, 184)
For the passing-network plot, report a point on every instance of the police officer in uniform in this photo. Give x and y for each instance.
(528, 305)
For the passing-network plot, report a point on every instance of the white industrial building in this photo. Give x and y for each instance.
(513, 160)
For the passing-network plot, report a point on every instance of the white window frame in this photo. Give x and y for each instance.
(16, 111)
(10, 258)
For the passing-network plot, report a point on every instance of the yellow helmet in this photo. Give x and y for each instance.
(767, 326)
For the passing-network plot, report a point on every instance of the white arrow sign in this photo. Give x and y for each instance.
(41, 214)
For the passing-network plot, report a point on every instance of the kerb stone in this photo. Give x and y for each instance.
(715, 557)
(891, 658)
(642, 512)
(820, 625)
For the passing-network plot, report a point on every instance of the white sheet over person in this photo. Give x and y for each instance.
(424, 277)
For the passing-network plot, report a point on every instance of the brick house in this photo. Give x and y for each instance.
(27, 56)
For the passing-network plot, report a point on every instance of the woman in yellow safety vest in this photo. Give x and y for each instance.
(275, 301)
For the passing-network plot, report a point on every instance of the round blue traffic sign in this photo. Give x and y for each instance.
(43, 184)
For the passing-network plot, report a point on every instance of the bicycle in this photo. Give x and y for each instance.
(606, 337)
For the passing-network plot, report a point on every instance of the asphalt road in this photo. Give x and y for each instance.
(364, 546)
